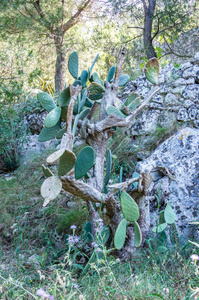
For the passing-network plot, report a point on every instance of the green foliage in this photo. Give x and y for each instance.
(47, 172)
(64, 97)
(111, 74)
(85, 161)
(47, 134)
(137, 235)
(152, 70)
(52, 117)
(12, 135)
(124, 79)
(169, 214)
(113, 110)
(66, 162)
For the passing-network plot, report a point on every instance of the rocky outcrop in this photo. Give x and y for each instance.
(177, 101)
(179, 155)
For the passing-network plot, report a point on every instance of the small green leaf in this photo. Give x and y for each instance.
(64, 98)
(85, 161)
(47, 134)
(66, 162)
(169, 214)
(120, 235)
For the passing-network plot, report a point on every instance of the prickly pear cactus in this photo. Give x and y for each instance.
(50, 189)
(66, 162)
(152, 70)
(124, 79)
(129, 207)
(52, 117)
(111, 74)
(46, 101)
(47, 134)
(47, 172)
(85, 161)
(73, 64)
(137, 235)
(113, 110)
(120, 235)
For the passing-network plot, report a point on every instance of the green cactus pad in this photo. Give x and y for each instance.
(95, 78)
(60, 133)
(152, 70)
(83, 100)
(95, 88)
(52, 117)
(135, 184)
(131, 98)
(113, 110)
(64, 98)
(96, 97)
(50, 189)
(160, 228)
(129, 207)
(47, 134)
(66, 162)
(91, 69)
(84, 78)
(77, 82)
(124, 79)
(73, 64)
(137, 235)
(111, 74)
(120, 235)
(119, 104)
(75, 124)
(47, 172)
(87, 236)
(134, 104)
(85, 161)
(88, 103)
(108, 168)
(169, 214)
(54, 156)
(84, 113)
(46, 101)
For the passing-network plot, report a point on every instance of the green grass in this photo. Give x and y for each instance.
(27, 229)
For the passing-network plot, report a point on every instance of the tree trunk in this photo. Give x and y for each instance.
(60, 67)
(148, 22)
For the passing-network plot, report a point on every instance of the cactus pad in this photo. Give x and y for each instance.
(131, 98)
(50, 189)
(120, 235)
(135, 103)
(61, 133)
(47, 134)
(137, 235)
(84, 78)
(77, 82)
(66, 162)
(129, 207)
(52, 117)
(54, 156)
(46, 101)
(111, 74)
(85, 161)
(84, 113)
(91, 69)
(152, 70)
(47, 172)
(169, 214)
(73, 64)
(108, 168)
(95, 91)
(95, 78)
(64, 97)
(124, 79)
(160, 228)
(113, 110)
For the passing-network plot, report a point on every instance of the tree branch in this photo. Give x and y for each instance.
(119, 66)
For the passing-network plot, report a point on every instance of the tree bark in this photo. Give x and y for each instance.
(148, 23)
(60, 66)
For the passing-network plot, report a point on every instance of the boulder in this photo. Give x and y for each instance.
(179, 155)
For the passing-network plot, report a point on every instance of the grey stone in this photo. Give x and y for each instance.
(179, 154)
(192, 112)
(188, 103)
(182, 115)
(158, 99)
(190, 72)
(191, 92)
(170, 99)
(186, 66)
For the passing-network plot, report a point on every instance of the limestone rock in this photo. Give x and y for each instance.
(179, 154)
